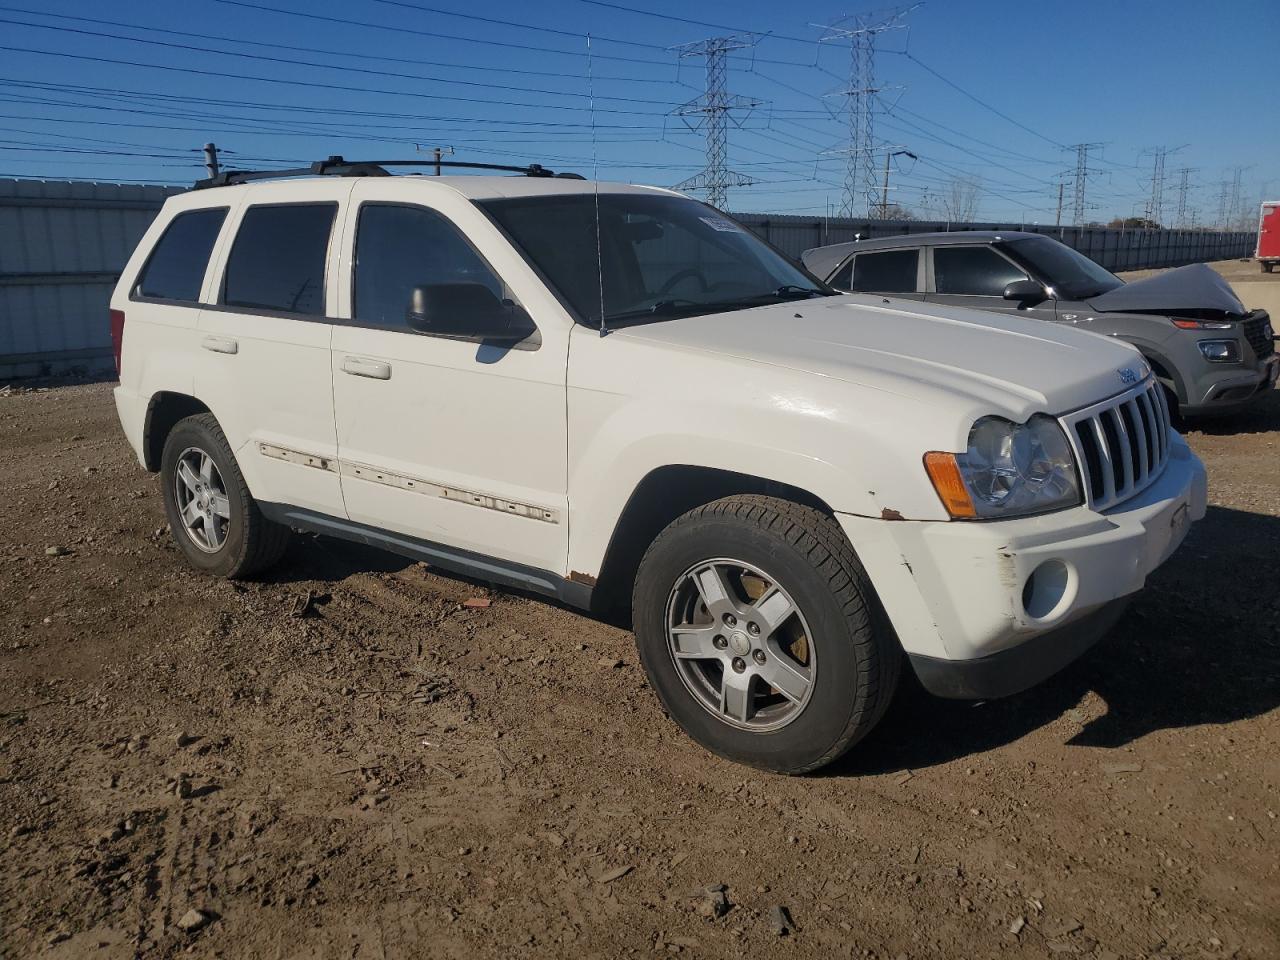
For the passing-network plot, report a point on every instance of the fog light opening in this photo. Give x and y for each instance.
(1048, 590)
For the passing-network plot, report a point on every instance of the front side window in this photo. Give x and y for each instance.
(1071, 274)
(893, 271)
(175, 269)
(399, 248)
(654, 257)
(278, 259)
(972, 271)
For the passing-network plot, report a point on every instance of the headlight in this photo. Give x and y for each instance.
(1220, 351)
(1009, 470)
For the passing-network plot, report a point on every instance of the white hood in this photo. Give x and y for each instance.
(913, 349)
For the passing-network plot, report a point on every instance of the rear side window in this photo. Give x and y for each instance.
(399, 248)
(893, 271)
(972, 271)
(175, 269)
(277, 262)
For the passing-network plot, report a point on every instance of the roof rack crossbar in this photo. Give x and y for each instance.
(336, 166)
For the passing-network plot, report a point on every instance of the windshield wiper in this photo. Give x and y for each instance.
(790, 290)
(663, 308)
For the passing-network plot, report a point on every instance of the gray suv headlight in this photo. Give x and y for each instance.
(1008, 470)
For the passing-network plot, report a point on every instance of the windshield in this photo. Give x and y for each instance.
(1072, 275)
(658, 257)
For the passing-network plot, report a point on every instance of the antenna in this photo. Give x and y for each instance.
(595, 180)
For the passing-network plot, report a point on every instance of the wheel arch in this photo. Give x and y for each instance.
(662, 495)
(164, 411)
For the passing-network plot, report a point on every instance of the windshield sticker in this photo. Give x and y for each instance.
(721, 224)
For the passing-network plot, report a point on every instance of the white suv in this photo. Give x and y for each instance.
(618, 397)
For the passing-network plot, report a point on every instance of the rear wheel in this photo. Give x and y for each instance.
(216, 523)
(760, 633)
(1268, 266)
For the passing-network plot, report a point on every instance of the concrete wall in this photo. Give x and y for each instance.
(1116, 249)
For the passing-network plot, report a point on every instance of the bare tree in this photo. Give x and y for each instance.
(960, 202)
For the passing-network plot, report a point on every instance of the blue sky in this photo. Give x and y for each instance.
(986, 89)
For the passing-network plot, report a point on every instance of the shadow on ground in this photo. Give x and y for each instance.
(1200, 645)
(1262, 416)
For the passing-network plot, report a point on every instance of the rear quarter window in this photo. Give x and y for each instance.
(175, 269)
(893, 271)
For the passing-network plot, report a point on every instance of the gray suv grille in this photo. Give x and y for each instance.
(1121, 444)
(1257, 330)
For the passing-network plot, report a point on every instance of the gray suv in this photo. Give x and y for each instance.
(1211, 354)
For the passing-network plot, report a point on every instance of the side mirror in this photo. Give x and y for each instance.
(469, 310)
(1025, 292)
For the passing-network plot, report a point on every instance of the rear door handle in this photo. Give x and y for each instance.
(360, 367)
(220, 345)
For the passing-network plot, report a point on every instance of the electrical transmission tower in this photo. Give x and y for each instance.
(1234, 209)
(1081, 178)
(1155, 202)
(861, 31)
(1184, 186)
(712, 111)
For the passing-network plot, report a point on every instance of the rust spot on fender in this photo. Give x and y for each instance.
(888, 513)
(585, 578)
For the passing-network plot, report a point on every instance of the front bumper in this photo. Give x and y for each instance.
(964, 592)
(1228, 391)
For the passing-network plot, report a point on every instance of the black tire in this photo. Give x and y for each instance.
(1268, 267)
(807, 554)
(252, 543)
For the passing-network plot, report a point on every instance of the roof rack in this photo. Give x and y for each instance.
(336, 166)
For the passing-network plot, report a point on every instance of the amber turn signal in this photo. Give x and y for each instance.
(945, 474)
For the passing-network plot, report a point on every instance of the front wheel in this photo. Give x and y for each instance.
(760, 632)
(215, 521)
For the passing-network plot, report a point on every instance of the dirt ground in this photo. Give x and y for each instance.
(348, 761)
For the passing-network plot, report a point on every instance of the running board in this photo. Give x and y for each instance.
(453, 559)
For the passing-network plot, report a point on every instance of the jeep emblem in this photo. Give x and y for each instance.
(1127, 375)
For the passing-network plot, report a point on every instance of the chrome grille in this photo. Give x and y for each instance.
(1121, 444)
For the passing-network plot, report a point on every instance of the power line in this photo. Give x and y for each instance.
(697, 23)
(324, 66)
(321, 50)
(313, 84)
(982, 103)
(400, 29)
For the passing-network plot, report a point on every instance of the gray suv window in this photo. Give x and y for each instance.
(972, 271)
(893, 271)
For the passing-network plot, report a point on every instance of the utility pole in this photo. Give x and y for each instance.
(1081, 180)
(861, 31)
(713, 109)
(211, 159)
(437, 152)
(1058, 221)
(884, 190)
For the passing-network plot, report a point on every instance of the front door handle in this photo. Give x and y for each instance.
(220, 345)
(360, 367)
